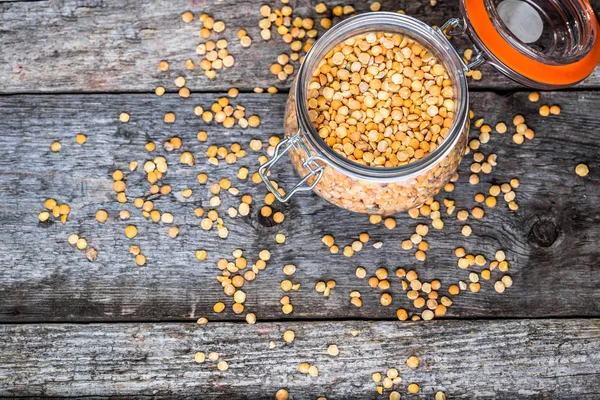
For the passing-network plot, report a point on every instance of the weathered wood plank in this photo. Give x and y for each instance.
(551, 241)
(83, 46)
(512, 359)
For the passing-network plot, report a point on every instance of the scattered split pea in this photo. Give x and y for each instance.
(582, 170)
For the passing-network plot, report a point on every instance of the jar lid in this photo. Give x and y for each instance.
(539, 43)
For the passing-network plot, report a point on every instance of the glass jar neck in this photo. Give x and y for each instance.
(435, 41)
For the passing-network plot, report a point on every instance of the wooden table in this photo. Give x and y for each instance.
(71, 327)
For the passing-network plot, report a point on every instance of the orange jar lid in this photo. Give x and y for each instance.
(528, 43)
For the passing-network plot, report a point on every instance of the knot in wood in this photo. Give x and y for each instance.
(544, 233)
(265, 221)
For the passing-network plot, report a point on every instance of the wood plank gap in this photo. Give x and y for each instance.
(295, 320)
(490, 89)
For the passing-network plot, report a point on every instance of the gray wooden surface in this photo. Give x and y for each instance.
(95, 46)
(510, 359)
(71, 67)
(48, 280)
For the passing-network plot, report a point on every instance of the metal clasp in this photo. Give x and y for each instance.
(310, 164)
(456, 27)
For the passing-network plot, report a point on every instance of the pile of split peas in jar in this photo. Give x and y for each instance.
(381, 100)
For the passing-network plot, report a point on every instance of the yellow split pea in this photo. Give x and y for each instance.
(289, 336)
(582, 170)
(381, 99)
(101, 216)
(131, 231)
(282, 394)
(91, 254)
(55, 146)
(140, 259)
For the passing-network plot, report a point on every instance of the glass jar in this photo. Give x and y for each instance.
(538, 43)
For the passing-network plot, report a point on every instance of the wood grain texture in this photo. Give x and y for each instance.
(96, 46)
(550, 242)
(536, 359)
